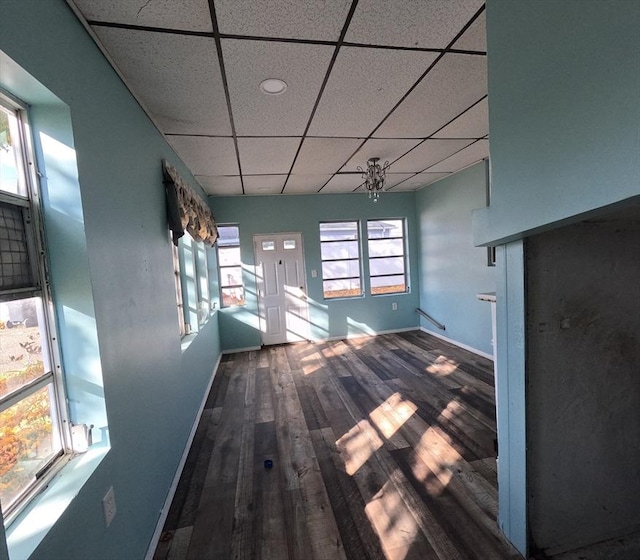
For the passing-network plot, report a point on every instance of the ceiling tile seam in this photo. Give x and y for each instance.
(196, 135)
(464, 51)
(425, 73)
(190, 32)
(325, 137)
(426, 169)
(343, 32)
(225, 83)
(430, 137)
(149, 28)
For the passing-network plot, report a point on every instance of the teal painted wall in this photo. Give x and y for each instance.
(123, 276)
(239, 327)
(564, 84)
(452, 269)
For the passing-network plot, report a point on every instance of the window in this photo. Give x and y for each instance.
(194, 283)
(491, 256)
(32, 410)
(340, 253)
(387, 267)
(177, 277)
(230, 266)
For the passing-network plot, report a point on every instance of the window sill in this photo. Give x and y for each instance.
(186, 340)
(31, 526)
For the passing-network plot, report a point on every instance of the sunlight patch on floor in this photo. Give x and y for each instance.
(442, 366)
(358, 445)
(396, 528)
(391, 415)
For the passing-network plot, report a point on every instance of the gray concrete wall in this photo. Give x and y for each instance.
(583, 382)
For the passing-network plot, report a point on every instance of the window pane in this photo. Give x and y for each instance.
(268, 246)
(289, 244)
(340, 250)
(387, 228)
(15, 270)
(228, 235)
(27, 443)
(338, 230)
(229, 256)
(231, 276)
(388, 284)
(386, 247)
(21, 358)
(340, 269)
(386, 265)
(230, 265)
(232, 296)
(10, 170)
(342, 288)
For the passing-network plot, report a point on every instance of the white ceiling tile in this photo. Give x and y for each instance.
(419, 181)
(302, 67)
(189, 15)
(277, 18)
(206, 156)
(394, 178)
(474, 38)
(363, 87)
(267, 155)
(420, 23)
(263, 184)
(474, 123)
(220, 186)
(324, 155)
(452, 86)
(428, 153)
(177, 77)
(343, 183)
(472, 154)
(307, 184)
(386, 150)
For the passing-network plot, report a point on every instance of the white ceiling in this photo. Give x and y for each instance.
(402, 80)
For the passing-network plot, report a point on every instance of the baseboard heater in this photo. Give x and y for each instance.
(431, 319)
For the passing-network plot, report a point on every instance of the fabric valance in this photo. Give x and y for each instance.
(186, 210)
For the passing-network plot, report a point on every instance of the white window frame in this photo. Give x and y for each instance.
(358, 259)
(221, 268)
(194, 291)
(29, 201)
(402, 255)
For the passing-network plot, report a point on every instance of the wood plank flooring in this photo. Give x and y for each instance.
(382, 448)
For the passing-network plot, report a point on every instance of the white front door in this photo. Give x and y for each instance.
(282, 288)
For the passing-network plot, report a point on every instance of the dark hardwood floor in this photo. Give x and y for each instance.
(382, 448)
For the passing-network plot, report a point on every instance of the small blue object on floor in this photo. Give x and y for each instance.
(268, 463)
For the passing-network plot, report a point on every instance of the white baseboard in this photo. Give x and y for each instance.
(237, 350)
(155, 539)
(360, 335)
(463, 346)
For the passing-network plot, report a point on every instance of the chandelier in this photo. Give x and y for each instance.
(374, 177)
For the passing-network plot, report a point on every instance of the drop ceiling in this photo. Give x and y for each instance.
(402, 80)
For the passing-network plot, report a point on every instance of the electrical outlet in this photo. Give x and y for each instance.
(394, 306)
(109, 506)
(314, 273)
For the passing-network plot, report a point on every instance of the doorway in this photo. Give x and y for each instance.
(282, 288)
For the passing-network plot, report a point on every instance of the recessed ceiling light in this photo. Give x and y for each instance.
(273, 86)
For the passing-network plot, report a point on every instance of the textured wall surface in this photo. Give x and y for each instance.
(583, 382)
